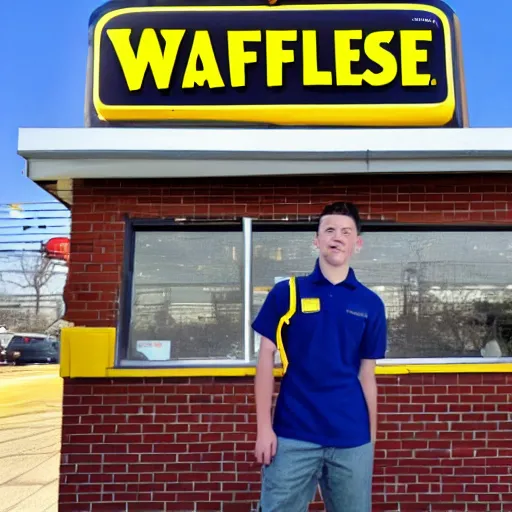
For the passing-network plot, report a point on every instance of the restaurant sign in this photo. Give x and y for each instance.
(347, 64)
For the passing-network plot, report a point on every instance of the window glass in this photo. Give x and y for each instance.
(447, 294)
(187, 296)
(18, 341)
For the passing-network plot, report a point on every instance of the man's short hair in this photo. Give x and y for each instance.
(342, 208)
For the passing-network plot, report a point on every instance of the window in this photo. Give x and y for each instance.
(194, 289)
(447, 293)
(186, 300)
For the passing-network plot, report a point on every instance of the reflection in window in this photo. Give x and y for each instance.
(187, 296)
(447, 294)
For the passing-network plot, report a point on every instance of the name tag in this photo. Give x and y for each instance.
(310, 305)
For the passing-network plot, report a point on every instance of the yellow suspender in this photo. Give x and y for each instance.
(285, 319)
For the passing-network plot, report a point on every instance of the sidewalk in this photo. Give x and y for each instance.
(30, 421)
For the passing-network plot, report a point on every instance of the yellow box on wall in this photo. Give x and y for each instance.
(87, 351)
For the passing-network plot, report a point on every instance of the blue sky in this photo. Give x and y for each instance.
(44, 48)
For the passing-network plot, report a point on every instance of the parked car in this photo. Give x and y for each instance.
(30, 348)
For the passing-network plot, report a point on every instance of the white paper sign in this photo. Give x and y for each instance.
(155, 350)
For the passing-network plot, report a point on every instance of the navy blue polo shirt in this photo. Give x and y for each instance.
(321, 399)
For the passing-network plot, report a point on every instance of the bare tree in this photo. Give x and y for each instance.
(35, 274)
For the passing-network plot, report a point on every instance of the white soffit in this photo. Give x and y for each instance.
(63, 153)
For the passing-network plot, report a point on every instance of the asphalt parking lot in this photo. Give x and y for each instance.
(30, 423)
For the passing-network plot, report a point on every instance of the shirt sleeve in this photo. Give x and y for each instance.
(374, 342)
(274, 307)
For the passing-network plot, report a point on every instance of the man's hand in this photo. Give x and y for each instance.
(266, 442)
(266, 446)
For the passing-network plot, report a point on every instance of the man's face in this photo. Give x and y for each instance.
(337, 239)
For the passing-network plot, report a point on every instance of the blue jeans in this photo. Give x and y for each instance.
(290, 481)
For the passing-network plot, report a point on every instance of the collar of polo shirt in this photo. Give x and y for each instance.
(350, 281)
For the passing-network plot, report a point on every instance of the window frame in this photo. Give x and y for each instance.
(132, 226)
(246, 226)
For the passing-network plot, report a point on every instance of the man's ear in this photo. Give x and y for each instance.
(359, 244)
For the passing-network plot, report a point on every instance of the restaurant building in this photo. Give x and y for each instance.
(213, 137)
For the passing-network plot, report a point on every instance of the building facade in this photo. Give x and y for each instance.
(182, 221)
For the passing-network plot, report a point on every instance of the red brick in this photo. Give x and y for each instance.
(198, 429)
(76, 507)
(149, 506)
(100, 207)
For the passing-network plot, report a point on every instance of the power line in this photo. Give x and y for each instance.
(19, 230)
(21, 212)
(37, 226)
(34, 235)
(12, 251)
(14, 220)
(55, 217)
(30, 202)
(34, 210)
(27, 271)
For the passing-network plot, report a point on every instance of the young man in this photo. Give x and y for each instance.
(325, 421)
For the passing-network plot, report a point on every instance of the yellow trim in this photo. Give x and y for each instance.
(445, 368)
(88, 352)
(285, 319)
(460, 68)
(186, 372)
(437, 114)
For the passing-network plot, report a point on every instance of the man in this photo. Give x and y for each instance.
(325, 422)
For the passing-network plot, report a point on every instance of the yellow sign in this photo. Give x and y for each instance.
(379, 65)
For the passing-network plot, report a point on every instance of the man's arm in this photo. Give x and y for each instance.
(369, 385)
(373, 348)
(265, 324)
(266, 443)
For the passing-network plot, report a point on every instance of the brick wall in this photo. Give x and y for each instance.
(99, 207)
(186, 445)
